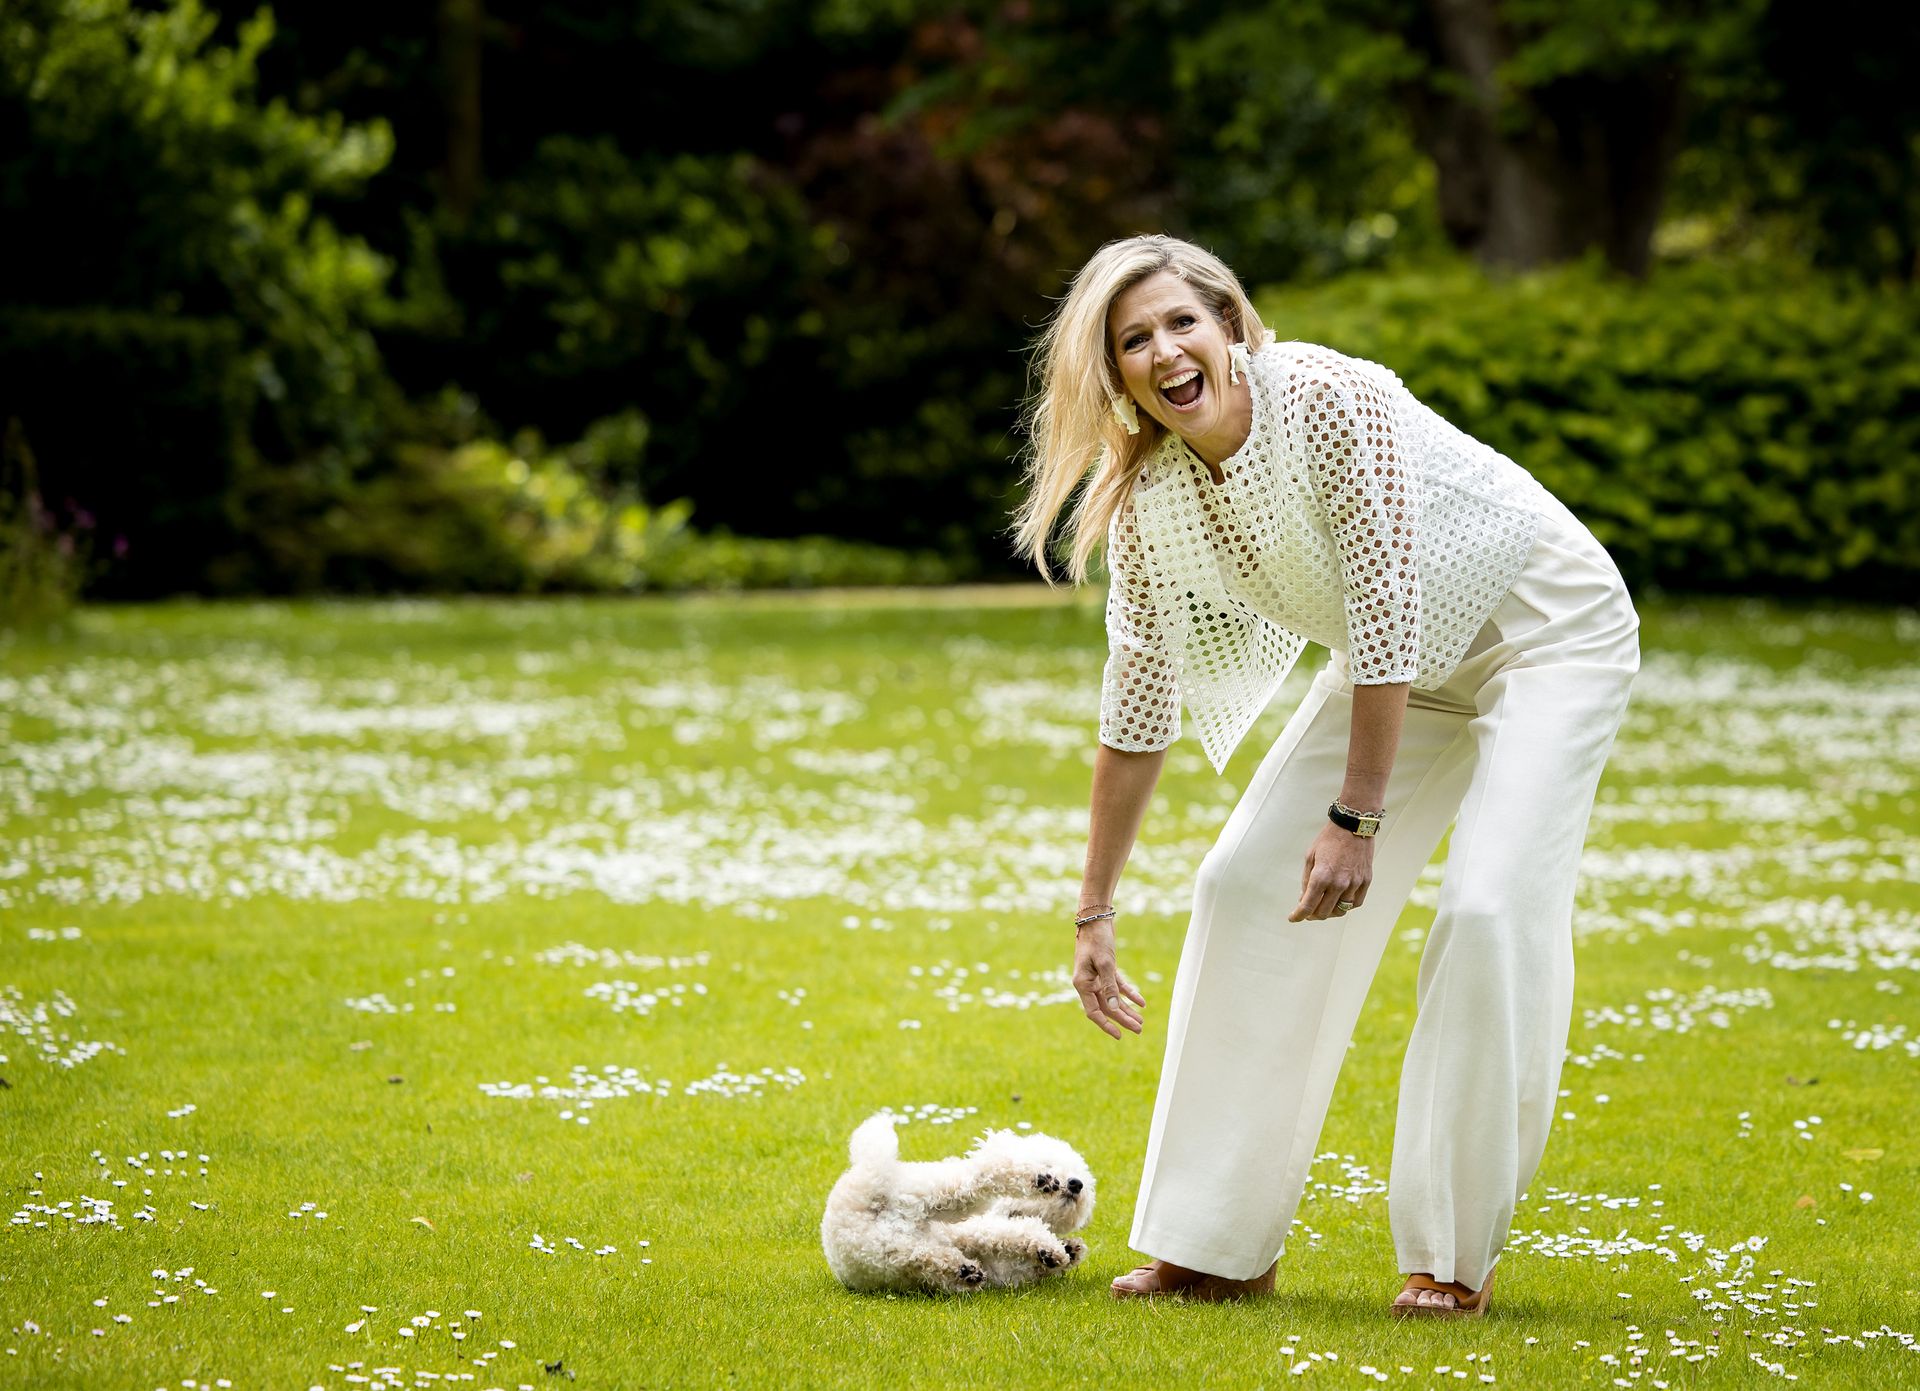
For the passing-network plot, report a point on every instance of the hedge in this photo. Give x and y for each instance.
(1720, 427)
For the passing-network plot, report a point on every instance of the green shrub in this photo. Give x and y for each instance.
(174, 304)
(489, 517)
(720, 560)
(148, 175)
(590, 279)
(1719, 426)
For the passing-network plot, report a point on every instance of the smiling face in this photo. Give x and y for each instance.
(1172, 356)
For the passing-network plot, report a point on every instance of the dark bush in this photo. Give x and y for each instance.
(141, 169)
(1720, 426)
(44, 558)
(593, 281)
(140, 420)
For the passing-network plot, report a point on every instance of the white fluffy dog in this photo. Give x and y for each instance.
(996, 1216)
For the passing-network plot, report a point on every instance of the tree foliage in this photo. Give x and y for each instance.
(147, 175)
(805, 244)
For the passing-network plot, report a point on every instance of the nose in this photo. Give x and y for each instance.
(1073, 1185)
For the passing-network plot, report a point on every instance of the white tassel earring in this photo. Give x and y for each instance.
(1240, 362)
(1123, 411)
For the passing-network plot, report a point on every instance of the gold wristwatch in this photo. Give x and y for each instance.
(1361, 823)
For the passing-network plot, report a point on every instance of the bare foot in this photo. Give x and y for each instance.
(1156, 1277)
(1448, 1298)
(1164, 1277)
(1426, 1295)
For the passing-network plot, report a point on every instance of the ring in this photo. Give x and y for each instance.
(1113, 1002)
(1342, 906)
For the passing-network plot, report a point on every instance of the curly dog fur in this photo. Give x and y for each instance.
(995, 1217)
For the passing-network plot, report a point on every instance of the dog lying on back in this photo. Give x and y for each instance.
(997, 1216)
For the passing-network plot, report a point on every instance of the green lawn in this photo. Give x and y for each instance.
(303, 906)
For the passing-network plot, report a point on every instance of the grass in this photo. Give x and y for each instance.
(229, 833)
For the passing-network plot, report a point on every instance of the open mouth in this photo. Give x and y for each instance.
(1185, 393)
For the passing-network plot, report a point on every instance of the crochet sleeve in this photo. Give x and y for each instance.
(1371, 500)
(1140, 689)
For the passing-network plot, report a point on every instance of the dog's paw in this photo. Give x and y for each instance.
(1044, 1254)
(1076, 1250)
(1047, 1183)
(970, 1275)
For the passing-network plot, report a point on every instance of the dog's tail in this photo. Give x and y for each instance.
(874, 1141)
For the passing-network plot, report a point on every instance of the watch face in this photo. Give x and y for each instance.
(1352, 821)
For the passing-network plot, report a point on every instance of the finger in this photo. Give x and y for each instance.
(1090, 1006)
(1116, 1007)
(1309, 893)
(1356, 891)
(1312, 895)
(1131, 993)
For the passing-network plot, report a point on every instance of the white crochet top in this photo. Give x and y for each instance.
(1353, 516)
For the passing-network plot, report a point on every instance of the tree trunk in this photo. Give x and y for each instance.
(460, 26)
(1587, 166)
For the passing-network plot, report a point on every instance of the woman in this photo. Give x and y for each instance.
(1256, 495)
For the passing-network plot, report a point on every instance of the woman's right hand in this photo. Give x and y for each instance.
(1106, 997)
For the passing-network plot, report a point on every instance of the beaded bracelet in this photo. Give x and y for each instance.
(1106, 913)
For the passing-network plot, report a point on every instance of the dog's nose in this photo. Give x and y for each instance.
(1073, 1185)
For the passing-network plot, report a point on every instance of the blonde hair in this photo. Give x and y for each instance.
(1069, 420)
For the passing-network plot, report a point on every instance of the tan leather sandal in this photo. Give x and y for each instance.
(1201, 1288)
(1470, 1305)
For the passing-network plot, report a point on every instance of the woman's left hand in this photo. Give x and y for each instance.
(1339, 869)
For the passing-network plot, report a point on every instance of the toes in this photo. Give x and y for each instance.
(1075, 1251)
(971, 1274)
(1427, 1299)
(1046, 1258)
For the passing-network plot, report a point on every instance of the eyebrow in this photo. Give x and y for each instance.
(1177, 309)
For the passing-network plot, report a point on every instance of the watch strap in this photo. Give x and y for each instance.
(1360, 823)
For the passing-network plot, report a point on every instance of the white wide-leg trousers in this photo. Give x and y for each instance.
(1510, 752)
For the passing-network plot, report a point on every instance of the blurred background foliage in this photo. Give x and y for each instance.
(294, 299)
